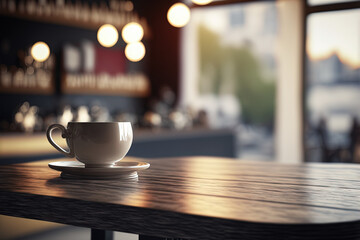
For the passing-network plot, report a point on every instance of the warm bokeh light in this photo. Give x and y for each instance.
(135, 51)
(132, 32)
(107, 35)
(201, 2)
(129, 6)
(40, 51)
(178, 15)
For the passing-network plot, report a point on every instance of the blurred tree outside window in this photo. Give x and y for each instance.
(237, 71)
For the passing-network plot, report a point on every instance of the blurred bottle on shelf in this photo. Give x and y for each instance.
(83, 114)
(65, 116)
(27, 119)
(99, 114)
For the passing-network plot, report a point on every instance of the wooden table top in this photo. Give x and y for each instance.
(195, 198)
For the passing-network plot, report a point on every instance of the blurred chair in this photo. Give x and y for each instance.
(330, 154)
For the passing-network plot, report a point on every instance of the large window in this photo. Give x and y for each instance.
(231, 50)
(332, 84)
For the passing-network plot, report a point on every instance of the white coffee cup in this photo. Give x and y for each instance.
(96, 144)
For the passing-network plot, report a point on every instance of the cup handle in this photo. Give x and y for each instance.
(64, 134)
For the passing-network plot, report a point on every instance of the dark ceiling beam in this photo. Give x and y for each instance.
(332, 7)
(227, 2)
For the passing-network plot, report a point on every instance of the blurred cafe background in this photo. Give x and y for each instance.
(258, 80)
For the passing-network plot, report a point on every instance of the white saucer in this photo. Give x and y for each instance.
(77, 170)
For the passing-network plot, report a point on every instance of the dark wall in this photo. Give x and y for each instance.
(19, 34)
(161, 62)
(164, 45)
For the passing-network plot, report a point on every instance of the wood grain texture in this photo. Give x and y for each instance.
(195, 198)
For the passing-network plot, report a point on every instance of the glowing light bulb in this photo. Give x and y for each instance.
(201, 2)
(132, 32)
(135, 51)
(107, 35)
(178, 15)
(40, 51)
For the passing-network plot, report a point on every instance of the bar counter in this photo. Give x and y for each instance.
(17, 147)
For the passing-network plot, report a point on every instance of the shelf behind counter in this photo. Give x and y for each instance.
(21, 147)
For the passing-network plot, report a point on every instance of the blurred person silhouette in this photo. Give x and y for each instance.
(321, 130)
(354, 137)
(328, 154)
